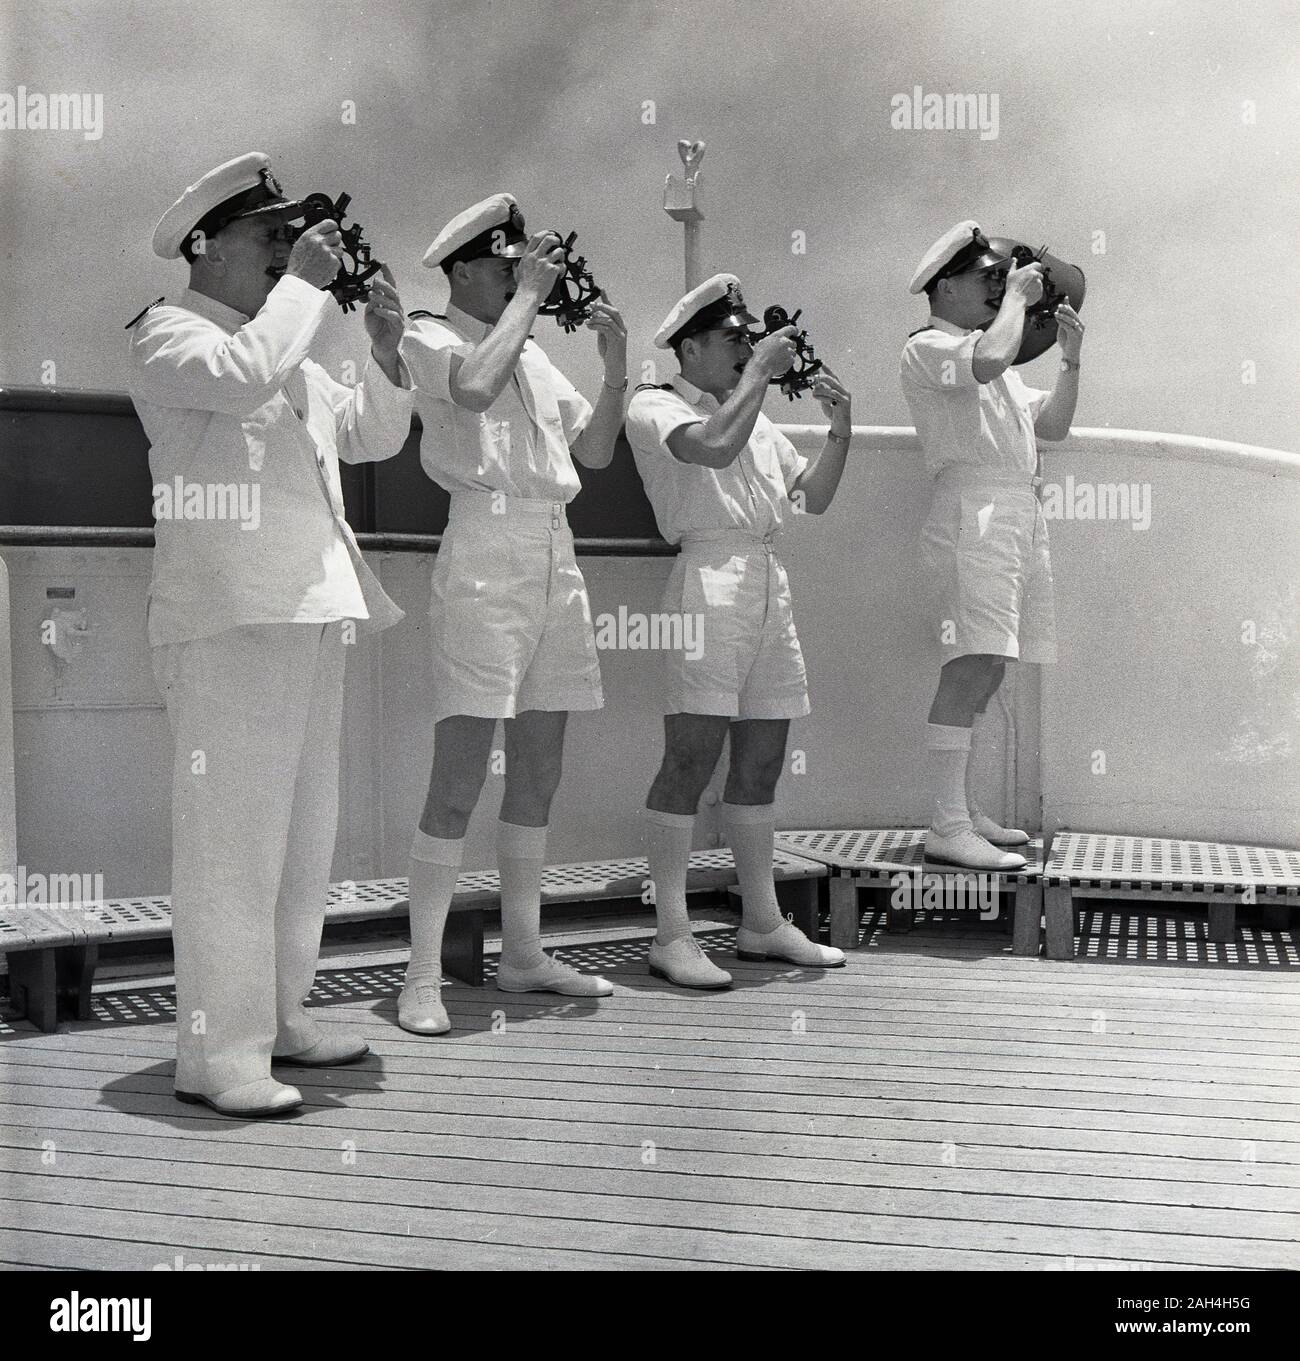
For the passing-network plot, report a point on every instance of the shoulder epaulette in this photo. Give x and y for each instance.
(653, 387)
(420, 312)
(139, 316)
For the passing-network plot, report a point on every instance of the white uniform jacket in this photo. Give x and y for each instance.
(246, 434)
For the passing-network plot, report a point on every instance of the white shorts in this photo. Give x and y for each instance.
(747, 662)
(510, 623)
(985, 550)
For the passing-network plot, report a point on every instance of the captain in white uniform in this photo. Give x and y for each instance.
(510, 622)
(984, 544)
(724, 481)
(249, 615)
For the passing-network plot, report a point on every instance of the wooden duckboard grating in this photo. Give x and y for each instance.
(877, 853)
(120, 919)
(21, 927)
(1100, 863)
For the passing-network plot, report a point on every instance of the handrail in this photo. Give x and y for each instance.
(900, 438)
(79, 401)
(100, 536)
(1198, 448)
(1153, 443)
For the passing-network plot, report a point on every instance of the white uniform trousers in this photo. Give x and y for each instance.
(256, 714)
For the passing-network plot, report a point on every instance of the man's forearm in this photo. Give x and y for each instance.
(730, 427)
(391, 366)
(484, 374)
(1057, 411)
(594, 448)
(998, 346)
(819, 482)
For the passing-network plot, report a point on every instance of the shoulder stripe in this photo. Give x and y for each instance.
(139, 316)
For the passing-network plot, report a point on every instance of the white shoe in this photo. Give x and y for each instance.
(266, 1096)
(789, 943)
(552, 976)
(327, 1052)
(420, 1010)
(996, 834)
(967, 848)
(683, 962)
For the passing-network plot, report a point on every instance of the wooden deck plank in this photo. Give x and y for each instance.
(639, 1085)
(809, 1159)
(635, 1194)
(64, 1250)
(1227, 1033)
(728, 1235)
(1051, 985)
(404, 1111)
(590, 1042)
(766, 1177)
(555, 1078)
(447, 1063)
(272, 1244)
(44, 1250)
(468, 1016)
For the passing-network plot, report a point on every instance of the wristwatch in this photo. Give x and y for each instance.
(1068, 364)
(622, 387)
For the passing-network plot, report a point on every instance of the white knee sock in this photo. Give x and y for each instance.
(750, 829)
(435, 863)
(979, 728)
(668, 843)
(947, 758)
(521, 858)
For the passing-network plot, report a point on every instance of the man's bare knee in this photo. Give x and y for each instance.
(686, 773)
(754, 779)
(533, 778)
(450, 804)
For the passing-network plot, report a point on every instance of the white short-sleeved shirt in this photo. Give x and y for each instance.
(751, 494)
(960, 420)
(520, 444)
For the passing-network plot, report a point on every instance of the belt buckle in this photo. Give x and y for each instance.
(557, 513)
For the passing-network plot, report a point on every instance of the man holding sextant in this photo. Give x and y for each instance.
(247, 621)
(724, 481)
(984, 544)
(510, 623)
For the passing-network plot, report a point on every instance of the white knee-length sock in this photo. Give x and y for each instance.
(750, 829)
(668, 845)
(947, 758)
(521, 858)
(435, 863)
(978, 733)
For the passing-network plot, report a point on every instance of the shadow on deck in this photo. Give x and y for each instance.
(936, 1104)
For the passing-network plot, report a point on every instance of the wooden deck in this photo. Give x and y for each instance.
(937, 1104)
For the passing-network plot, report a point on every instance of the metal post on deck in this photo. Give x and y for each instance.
(682, 204)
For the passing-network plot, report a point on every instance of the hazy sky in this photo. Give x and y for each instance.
(1122, 117)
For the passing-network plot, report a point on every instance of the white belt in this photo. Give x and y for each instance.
(735, 539)
(495, 505)
(970, 475)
